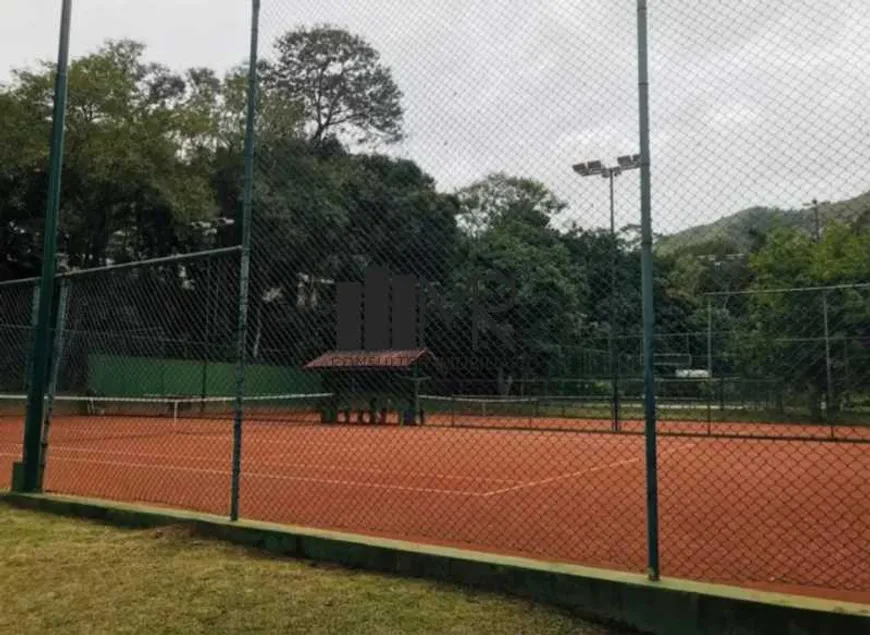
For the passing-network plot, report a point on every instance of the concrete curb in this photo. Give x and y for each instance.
(669, 607)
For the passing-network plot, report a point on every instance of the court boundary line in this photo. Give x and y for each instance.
(276, 477)
(268, 464)
(362, 484)
(593, 470)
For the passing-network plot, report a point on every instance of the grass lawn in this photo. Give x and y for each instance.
(68, 576)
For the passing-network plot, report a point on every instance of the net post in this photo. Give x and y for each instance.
(42, 339)
(647, 293)
(57, 358)
(245, 263)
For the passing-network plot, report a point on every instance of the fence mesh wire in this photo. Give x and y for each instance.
(759, 132)
(444, 341)
(145, 374)
(17, 313)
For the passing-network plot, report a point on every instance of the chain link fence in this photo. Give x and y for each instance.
(443, 336)
(761, 122)
(17, 314)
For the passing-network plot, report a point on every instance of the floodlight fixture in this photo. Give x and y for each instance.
(591, 168)
(629, 162)
(582, 169)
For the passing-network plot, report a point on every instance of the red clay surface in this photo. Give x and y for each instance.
(789, 515)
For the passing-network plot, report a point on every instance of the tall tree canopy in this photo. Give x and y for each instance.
(135, 173)
(513, 302)
(339, 79)
(500, 196)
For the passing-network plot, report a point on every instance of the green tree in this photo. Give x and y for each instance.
(398, 219)
(499, 196)
(339, 214)
(23, 146)
(341, 83)
(787, 329)
(512, 306)
(135, 175)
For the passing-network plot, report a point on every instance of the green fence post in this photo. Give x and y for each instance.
(205, 353)
(647, 291)
(56, 360)
(31, 341)
(42, 344)
(245, 265)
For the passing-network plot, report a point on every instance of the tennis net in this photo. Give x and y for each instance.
(551, 412)
(76, 417)
(460, 408)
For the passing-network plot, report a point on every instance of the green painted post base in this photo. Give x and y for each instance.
(18, 476)
(329, 414)
(409, 417)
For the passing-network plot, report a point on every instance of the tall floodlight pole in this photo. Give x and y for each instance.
(42, 342)
(597, 168)
(817, 228)
(649, 382)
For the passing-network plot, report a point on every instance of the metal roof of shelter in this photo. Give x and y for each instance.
(371, 360)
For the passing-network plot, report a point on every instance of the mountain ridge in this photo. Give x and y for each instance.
(740, 227)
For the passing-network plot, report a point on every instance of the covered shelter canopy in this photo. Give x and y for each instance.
(373, 384)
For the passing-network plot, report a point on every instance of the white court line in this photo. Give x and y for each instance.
(316, 466)
(275, 477)
(403, 488)
(564, 477)
(344, 446)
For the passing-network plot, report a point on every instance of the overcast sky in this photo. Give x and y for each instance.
(754, 102)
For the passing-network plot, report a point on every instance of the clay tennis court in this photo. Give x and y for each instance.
(777, 512)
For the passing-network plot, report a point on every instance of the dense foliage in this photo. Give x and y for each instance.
(153, 167)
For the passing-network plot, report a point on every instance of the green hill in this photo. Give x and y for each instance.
(738, 229)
